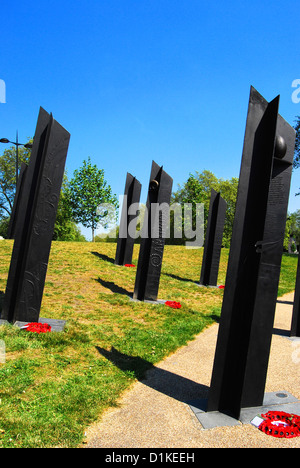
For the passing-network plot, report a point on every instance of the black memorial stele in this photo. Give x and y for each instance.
(37, 209)
(153, 235)
(16, 205)
(128, 221)
(295, 326)
(213, 240)
(246, 325)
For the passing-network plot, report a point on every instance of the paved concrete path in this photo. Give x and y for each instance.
(153, 413)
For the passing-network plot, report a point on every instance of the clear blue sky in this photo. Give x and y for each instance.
(141, 80)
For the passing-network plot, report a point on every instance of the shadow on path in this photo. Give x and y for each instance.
(166, 382)
(285, 302)
(280, 332)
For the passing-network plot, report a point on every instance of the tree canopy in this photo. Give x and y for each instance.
(65, 228)
(88, 189)
(297, 144)
(197, 189)
(8, 177)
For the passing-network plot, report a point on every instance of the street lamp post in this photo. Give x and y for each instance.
(17, 144)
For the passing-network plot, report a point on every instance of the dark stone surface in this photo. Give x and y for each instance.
(16, 206)
(295, 326)
(153, 235)
(125, 241)
(213, 240)
(35, 222)
(246, 325)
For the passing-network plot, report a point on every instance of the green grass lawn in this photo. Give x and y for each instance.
(53, 385)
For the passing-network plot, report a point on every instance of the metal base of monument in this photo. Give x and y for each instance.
(206, 286)
(275, 401)
(56, 325)
(286, 334)
(158, 301)
(293, 338)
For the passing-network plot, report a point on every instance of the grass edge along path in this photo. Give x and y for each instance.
(52, 386)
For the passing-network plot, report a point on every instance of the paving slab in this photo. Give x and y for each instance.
(56, 325)
(154, 413)
(273, 401)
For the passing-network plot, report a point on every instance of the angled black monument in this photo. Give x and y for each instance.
(213, 240)
(153, 235)
(16, 205)
(128, 221)
(245, 331)
(35, 221)
(295, 326)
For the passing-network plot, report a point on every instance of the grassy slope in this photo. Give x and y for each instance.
(52, 386)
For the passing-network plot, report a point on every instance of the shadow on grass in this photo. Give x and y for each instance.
(214, 317)
(104, 257)
(166, 382)
(113, 287)
(179, 278)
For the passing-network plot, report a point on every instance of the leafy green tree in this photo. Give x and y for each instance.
(8, 177)
(65, 228)
(297, 144)
(88, 189)
(4, 223)
(292, 230)
(197, 189)
(228, 190)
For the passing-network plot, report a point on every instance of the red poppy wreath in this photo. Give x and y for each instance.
(35, 327)
(173, 304)
(280, 424)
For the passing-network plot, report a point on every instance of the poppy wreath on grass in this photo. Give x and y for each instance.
(173, 304)
(129, 265)
(35, 327)
(280, 424)
(222, 286)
